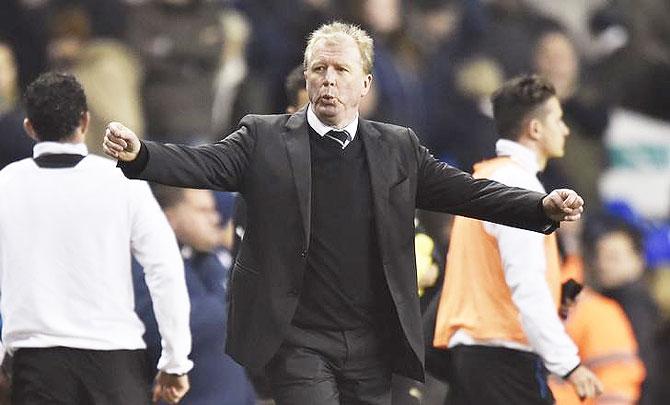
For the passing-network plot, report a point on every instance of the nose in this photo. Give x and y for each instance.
(329, 78)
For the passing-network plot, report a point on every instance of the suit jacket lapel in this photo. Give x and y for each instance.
(381, 167)
(297, 146)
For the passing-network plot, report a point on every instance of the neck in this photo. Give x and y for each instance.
(334, 122)
(533, 145)
(77, 137)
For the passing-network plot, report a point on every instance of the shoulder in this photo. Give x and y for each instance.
(387, 128)
(599, 306)
(15, 169)
(101, 166)
(105, 170)
(99, 162)
(265, 120)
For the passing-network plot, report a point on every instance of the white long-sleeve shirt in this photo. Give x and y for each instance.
(524, 264)
(66, 239)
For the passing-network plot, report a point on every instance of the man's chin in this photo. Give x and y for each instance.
(326, 113)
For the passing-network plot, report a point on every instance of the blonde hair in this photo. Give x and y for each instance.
(334, 29)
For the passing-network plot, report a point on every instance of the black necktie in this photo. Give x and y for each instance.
(340, 136)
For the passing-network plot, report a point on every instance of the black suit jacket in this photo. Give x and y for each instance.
(267, 160)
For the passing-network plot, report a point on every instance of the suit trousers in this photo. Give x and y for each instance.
(331, 368)
(65, 376)
(497, 376)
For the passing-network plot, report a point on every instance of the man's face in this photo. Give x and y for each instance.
(7, 72)
(616, 260)
(554, 130)
(335, 79)
(303, 99)
(195, 220)
(556, 59)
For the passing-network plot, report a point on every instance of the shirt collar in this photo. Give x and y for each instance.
(322, 128)
(52, 148)
(519, 153)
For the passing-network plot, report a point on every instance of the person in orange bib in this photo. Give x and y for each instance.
(607, 345)
(498, 313)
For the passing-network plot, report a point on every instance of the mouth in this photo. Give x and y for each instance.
(327, 99)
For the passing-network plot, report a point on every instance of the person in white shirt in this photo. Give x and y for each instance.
(498, 311)
(69, 223)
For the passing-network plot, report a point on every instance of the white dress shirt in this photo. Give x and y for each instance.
(322, 129)
(66, 239)
(524, 263)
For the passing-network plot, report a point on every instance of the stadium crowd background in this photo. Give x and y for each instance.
(188, 70)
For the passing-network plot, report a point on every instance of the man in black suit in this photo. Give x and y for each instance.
(323, 293)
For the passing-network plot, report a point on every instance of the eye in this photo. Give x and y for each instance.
(318, 68)
(342, 69)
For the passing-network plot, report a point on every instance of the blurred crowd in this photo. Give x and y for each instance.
(189, 70)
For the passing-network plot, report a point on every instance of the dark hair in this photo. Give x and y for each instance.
(295, 81)
(54, 104)
(167, 196)
(516, 100)
(600, 226)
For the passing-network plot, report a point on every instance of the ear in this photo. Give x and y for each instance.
(84, 121)
(366, 85)
(172, 217)
(30, 131)
(534, 128)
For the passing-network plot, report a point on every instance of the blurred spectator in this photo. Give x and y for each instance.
(14, 144)
(397, 69)
(607, 346)
(614, 261)
(215, 378)
(601, 331)
(179, 43)
(106, 68)
(555, 58)
(436, 29)
(24, 25)
(575, 16)
(509, 34)
(237, 89)
(471, 128)
(296, 90)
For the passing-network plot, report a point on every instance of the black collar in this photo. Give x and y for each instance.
(58, 160)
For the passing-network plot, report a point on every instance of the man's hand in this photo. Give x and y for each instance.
(120, 142)
(563, 205)
(170, 387)
(585, 383)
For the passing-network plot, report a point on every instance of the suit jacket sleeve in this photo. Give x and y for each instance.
(443, 188)
(217, 166)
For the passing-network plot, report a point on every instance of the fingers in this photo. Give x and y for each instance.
(564, 205)
(170, 395)
(585, 383)
(120, 131)
(112, 144)
(569, 199)
(589, 386)
(156, 393)
(599, 387)
(167, 393)
(555, 199)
